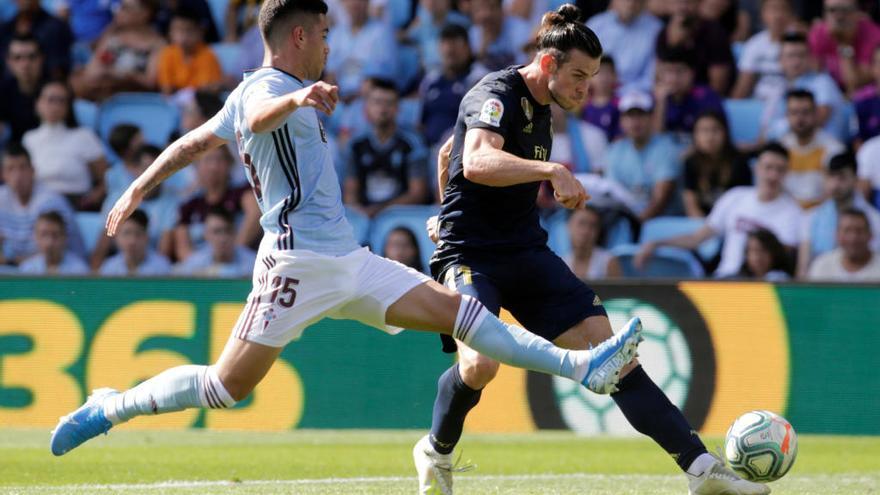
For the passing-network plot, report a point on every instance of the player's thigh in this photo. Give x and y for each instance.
(428, 306)
(591, 331)
(243, 364)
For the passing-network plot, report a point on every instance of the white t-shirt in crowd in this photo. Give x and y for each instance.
(598, 267)
(829, 266)
(739, 212)
(760, 56)
(61, 156)
(868, 159)
(805, 179)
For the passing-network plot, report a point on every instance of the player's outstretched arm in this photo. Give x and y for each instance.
(484, 162)
(270, 113)
(181, 153)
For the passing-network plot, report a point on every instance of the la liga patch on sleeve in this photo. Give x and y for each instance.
(492, 111)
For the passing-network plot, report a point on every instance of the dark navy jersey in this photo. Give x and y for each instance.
(476, 217)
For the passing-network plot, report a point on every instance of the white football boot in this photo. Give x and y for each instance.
(435, 469)
(718, 479)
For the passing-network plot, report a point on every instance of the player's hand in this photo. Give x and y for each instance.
(567, 190)
(432, 225)
(123, 208)
(321, 96)
(641, 258)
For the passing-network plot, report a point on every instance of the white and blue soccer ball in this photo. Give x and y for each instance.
(761, 446)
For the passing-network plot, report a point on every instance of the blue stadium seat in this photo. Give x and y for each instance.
(361, 225)
(228, 55)
(218, 12)
(667, 262)
(7, 10)
(156, 117)
(410, 216)
(744, 118)
(90, 224)
(559, 242)
(86, 113)
(666, 227)
(409, 112)
(409, 66)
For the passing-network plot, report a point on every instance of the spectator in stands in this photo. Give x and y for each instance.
(852, 260)
(820, 225)
(53, 256)
(587, 259)
(712, 167)
(601, 109)
(759, 69)
(497, 39)
(766, 258)
(53, 35)
(867, 103)
(629, 35)
(351, 58)
(644, 162)
(713, 59)
(67, 158)
(742, 210)
(125, 140)
(18, 110)
(187, 62)
(213, 173)
(843, 43)
(135, 257)
(402, 246)
(22, 200)
(727, 13)
(125, 57)
(579, 145)
(809, 147)
(160, 206)
(678, 100)
(442, 90)
(868, 159)
(794, 58)
(387, 165)
(220, 256)
(201, 11)
(433, 18)
(240, 16)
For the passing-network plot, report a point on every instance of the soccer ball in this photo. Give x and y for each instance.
(761, 446)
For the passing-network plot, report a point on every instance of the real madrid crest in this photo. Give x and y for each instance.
(527, 107)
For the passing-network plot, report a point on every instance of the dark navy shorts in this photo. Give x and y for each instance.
(535, 285)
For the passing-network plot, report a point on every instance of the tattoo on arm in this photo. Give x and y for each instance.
(180, 154)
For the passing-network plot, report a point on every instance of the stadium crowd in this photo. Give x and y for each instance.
(756, 122)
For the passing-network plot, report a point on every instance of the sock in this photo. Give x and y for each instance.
(510, 344)
(454, 400)
(651, 413)
(172, 390)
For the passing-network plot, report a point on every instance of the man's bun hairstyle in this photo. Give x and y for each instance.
(563, 30)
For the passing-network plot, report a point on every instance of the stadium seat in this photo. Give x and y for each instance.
(361, 225)
(666, 227)
(7, 11)
(559, 242)
(410, 216)
(744, 118)
(228, 55)
(156, 117)
(218, 12)
(409, 112)
(86, 113)
(667, 262)
(90, 224)
(409, 67)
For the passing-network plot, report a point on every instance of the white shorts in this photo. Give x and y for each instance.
(293, 289)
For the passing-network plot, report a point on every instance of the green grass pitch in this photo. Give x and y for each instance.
(379, 462)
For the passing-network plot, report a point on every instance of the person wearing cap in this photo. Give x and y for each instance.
(820, 225)
(643, 161)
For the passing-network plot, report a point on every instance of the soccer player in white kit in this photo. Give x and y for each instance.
(309, 265)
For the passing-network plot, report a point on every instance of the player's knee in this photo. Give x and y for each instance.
(478, 371)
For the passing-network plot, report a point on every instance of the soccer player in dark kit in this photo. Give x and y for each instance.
(492, 247)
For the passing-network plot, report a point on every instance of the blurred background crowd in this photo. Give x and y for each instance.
(721, 138)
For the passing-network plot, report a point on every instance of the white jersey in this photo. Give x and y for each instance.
(290, 169)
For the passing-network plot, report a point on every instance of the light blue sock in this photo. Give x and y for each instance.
(510, 344)
(172, 390)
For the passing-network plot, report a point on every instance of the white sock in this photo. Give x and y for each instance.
(510, 344)
(701, 464)
(172, 390)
